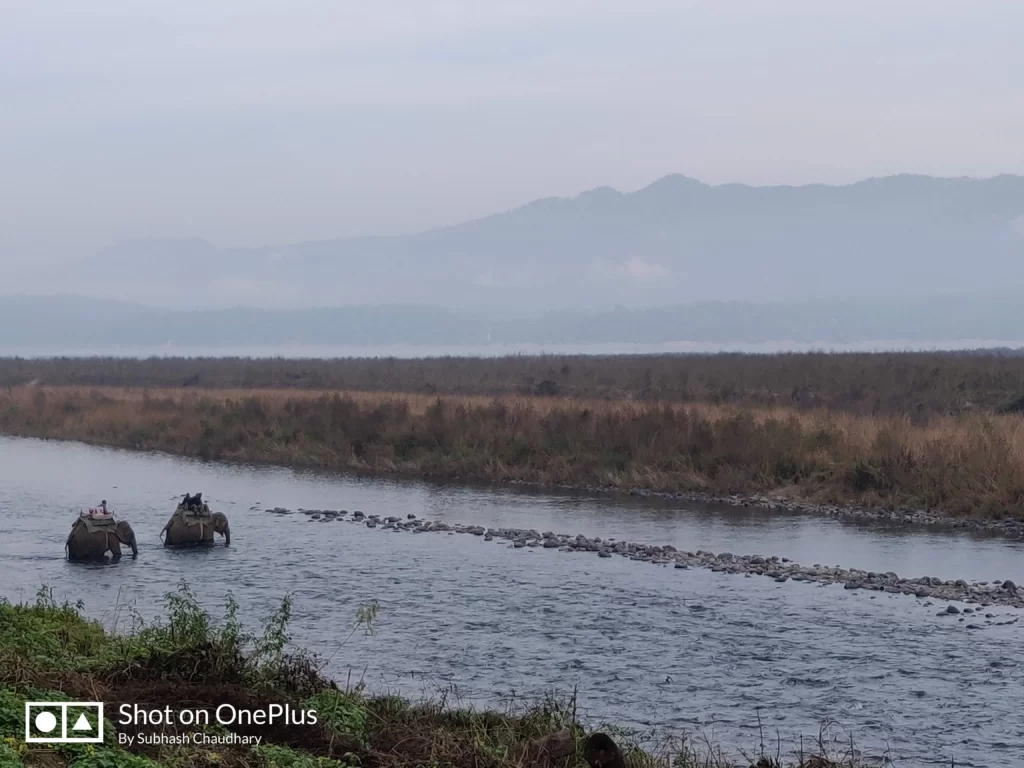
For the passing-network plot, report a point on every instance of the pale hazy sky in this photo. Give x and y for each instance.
(264, 121)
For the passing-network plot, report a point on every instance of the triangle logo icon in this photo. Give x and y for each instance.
(82, 724)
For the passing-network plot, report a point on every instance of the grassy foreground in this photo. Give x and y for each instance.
(967, 465)
(49, 652)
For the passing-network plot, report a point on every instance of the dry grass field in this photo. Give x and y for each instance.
(919, 385)
(967, 464)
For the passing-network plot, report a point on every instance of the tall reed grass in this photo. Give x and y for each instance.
(960, 465)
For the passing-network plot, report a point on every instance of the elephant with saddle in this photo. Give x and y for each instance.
(92, 537)
(193, 524)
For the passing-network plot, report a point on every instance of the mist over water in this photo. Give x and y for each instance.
(411, 351)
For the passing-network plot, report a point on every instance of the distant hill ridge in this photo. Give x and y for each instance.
(675, 241)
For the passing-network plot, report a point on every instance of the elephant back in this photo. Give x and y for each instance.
(193, 516)
(96, 524)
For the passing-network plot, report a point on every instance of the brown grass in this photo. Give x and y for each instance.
(962, 465)
(915, 384)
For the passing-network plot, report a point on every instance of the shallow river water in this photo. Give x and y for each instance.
(648, 647)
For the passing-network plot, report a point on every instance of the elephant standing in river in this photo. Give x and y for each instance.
(186, 529)
(91, 540)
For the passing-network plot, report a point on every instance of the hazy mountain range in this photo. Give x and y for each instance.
(33, 324)
(677, 241)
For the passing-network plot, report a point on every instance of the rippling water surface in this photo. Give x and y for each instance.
(649, 647)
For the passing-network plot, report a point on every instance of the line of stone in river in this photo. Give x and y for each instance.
(781, 569)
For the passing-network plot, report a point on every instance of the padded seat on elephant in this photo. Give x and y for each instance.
(195, 516)
(94, 524)
(203, 511)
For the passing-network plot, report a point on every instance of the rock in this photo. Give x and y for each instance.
(604, 553)
(550, 544)
(410, 516)
(1009, 586)
(600, 751)
(952, 610)
(781, 579)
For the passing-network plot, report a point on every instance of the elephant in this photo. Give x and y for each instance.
(91, 541)
(189, 530)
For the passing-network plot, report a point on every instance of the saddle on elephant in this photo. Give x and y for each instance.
(193, 515)
(94, 523)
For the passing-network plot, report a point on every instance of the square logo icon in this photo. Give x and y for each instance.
(64, 722)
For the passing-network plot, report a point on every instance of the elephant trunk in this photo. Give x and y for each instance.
(127, 536)
(227, 535)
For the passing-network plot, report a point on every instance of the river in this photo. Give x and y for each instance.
(648, 647)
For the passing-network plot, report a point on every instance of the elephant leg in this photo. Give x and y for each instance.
(114, 545)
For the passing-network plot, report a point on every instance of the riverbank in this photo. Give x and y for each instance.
(191, 678)
(968, 469)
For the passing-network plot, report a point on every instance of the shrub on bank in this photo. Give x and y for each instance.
(50, 652)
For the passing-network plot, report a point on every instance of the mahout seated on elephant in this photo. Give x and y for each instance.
(193, 503)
